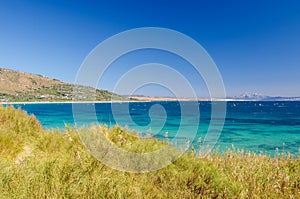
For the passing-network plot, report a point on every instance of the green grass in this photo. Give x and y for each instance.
(35, 163)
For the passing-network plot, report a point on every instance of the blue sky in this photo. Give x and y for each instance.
(255, 44)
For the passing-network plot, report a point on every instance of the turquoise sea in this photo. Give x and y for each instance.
(254, 126)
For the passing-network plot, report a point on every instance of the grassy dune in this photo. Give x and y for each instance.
(35, 163)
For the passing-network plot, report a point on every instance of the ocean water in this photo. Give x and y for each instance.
(252, 126)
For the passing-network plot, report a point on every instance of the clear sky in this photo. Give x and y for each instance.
(255, 43)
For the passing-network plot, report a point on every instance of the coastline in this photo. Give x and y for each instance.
(145, 100)
(66, 102)
(95, 102)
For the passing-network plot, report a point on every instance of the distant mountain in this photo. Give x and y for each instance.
(19, 86)
(251, 96)
(247, 96)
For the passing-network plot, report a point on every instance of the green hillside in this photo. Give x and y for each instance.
(18, 86)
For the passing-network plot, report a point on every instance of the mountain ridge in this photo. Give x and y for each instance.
(248, 96)
(17, 86)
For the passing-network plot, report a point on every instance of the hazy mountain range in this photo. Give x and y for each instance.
(260, 97)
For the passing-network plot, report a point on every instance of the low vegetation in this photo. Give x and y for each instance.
(35, 163)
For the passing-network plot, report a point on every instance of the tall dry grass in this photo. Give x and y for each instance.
(35, 163)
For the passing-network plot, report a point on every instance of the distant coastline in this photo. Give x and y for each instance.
(67, 102)
(154, 99)
(21, 88)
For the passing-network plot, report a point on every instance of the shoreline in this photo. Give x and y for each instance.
(67, 102)
(149, 100)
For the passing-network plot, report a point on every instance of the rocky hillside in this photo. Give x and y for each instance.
(20, 86)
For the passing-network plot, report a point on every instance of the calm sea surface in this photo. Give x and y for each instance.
(255, 126)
